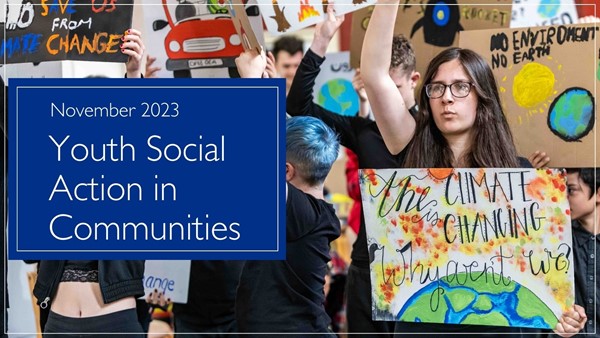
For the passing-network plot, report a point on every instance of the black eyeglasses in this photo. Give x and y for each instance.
(457, 89)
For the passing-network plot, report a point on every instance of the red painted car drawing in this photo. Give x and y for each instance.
(199, 38)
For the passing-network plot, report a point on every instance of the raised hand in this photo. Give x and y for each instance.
(324, 31)
(250, 64)
(151, 71)
(133, 46)
(271, 70)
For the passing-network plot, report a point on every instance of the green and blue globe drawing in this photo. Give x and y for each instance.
(338, 96)
(478, 302)
(548, 8)
(571, 114)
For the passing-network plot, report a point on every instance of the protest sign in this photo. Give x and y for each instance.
(172, 278)
(286, 16)
(88, 30)
(333, 88)
(469, 246)
(547, 86)
(433, 25)
(529, 13)
(196, 38)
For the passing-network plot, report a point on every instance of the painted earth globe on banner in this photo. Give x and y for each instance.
(548, 8)
(338, 96)
(571, 114)
(478, 302)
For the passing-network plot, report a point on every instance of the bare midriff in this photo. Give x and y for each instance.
(77, 299)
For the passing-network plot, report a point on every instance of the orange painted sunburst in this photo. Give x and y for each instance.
(440, 173)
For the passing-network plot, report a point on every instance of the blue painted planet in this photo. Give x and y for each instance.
(478, 302)
(571, 114)
(548, 8)
(338, 96)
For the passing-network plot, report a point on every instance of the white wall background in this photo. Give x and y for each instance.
(21, 321)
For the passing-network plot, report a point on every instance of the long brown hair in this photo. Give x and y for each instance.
(491, 145)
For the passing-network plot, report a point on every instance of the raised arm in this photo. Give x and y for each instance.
(300, 97)
(396, 124)
(325, 31)
(364, 109)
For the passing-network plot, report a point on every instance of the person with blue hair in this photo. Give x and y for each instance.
(288, 295)
(360, 135)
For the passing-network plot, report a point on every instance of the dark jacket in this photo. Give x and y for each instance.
(118, 279)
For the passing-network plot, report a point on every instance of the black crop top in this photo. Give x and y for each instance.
(80, 271)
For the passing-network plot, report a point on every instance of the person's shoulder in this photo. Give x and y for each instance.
(578, 230)
(301, 205)
(307, 214)
(294, 193)
(308, 201)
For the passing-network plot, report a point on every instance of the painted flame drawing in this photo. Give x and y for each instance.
(306, 11)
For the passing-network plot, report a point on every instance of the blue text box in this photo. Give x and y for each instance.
(147, 169)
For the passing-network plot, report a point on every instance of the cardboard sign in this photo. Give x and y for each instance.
(285, 16)
(433, 25)
(88, 30)
(333, 88)
(469, 246)
(528, 13)
(185, 35)
(172, 278)
(547, 86)
(598, 69)
(243, 26)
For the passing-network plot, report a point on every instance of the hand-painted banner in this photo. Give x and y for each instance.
(528, 13)
(433, 25)
(285, 16)
(333, 87)
(40, 30)
(197, 38)
(548, 87)
(469, 246)
(172, 278)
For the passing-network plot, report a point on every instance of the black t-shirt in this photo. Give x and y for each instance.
(211, 297)
(287, 296)
(356, 133)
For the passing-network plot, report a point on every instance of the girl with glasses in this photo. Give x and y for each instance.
(460, 124)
